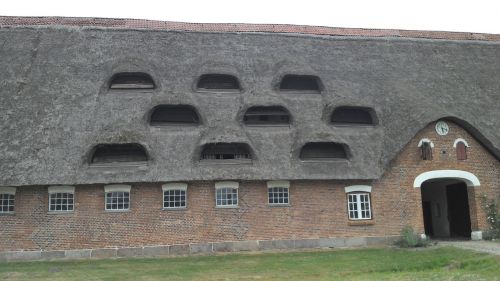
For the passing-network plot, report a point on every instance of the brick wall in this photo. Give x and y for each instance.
(317, 208)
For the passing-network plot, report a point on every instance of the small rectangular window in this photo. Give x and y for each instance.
(426, 151)
(226, 197)
(359, 206)
(278, 195)
(117, 200)
(7, 203)
(61, 202)
(174, 198)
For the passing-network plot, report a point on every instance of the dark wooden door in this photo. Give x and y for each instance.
(458, 210)
(426, 205)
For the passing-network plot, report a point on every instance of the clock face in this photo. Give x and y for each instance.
(442, 128)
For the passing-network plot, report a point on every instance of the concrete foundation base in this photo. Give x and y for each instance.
(198, 248)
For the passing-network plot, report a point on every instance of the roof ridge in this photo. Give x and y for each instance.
(129, 23)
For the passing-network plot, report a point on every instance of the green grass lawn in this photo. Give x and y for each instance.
(444, 263)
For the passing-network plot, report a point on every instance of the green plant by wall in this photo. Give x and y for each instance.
(410, 239)
(491, 208)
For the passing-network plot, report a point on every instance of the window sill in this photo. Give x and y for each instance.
(60, 212)
(325, 160)
(119, 165)
(7, 214)
(117, 211)
(226, 207)
(353, 125)
(288, 125)
(175, 209)
(278, 205)
(226, 162)
(304, 92)
(219, 91)
(361, 222)
(175, 125)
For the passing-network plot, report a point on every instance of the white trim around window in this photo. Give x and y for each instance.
(358, 188)
(226, 194)
(61, 189)
(460, 140)
(117, 188)
(7, 199)
(7, 190)
(117, 197)
(425, 140)
(278, 193)
(61, 199)
(174, 196)
(359, 202)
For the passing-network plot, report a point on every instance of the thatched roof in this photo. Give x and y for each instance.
(56, 104)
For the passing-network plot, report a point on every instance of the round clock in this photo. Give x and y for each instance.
(442, 128)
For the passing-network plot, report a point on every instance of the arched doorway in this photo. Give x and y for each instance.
(445, 202)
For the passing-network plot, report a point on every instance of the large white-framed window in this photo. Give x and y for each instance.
(226, 194)
(7, 198)
(278, 193)
(358, 202)
(174, 195)
(117, 197)
(61, 199)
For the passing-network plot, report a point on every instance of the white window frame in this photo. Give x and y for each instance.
(7, 190)
(278, 184)
(61, 189)
(232, 185)
(116, 188)
(174, 187)
(358, 191)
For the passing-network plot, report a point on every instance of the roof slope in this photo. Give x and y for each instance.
(241, 27)
(56, 106)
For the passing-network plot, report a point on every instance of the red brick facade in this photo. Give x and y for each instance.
(317, 208)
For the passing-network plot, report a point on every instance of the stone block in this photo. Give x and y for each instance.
(252, 245)
(23, 255)
(156, 251)
(355, 241)
(331, 242)
(199, 248)
(103, 253)
(306, 243)
(176, 250)
(284, 244)
(77, 254)
(129, 252)
(476, 235)
(52, 255)
(376, 241)
(223, 247)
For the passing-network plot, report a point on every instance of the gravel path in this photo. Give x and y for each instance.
(480, 246)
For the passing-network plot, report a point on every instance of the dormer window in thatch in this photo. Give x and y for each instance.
(218, 82)
(352, 115)
(300, 83)
(131, 81)
(174, 115)
(226, 151)
(266, 116)
(323, 151)
(118, 153)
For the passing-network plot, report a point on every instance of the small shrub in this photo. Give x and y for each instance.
(410, 239)
(491, 208)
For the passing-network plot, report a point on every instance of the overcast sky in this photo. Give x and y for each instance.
(471, 16)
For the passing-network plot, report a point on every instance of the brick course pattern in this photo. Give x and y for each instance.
(317, 209)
